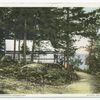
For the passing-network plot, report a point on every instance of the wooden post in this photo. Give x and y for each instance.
(14, 53)
(5, 47)
(32, 54)
(19, 50)
(24, 53)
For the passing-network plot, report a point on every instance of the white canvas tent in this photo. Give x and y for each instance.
(44, 46)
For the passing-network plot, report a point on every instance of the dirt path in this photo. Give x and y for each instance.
(86, 84)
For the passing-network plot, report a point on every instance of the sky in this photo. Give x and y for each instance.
(89, 9)
(81, 44)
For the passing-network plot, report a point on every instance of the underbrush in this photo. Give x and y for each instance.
(40, 74)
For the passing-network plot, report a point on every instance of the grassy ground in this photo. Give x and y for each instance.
(13, 86)
(10, 82)
(86, 84)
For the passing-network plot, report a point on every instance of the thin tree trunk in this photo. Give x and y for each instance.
(5, 47)
(24, 53)
(67, 61)
(64, 58)
(67, 43)
(19, 50)
(33, 42)
(39, 54)
(90, 53)
(14, 48)
(33, 46)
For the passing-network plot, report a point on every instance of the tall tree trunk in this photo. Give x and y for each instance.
(39, 54)
(90, 54)
(14, 53)
(67, 43)
(32, 54)
(24, 53)
(33, 42)
(19, 50)
(64, 59)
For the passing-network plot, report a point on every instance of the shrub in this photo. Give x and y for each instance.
(32, 72)
(40, 74)
(10, 69)
(46, 74)
(6, 59)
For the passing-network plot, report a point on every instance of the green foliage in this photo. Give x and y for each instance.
(93, 59)
(2, 43)
(92, 32)
(59, 25)
(3, 30)
(10, 69)
(6, 59)
(76, 61)
(44, 74)
(38, 74)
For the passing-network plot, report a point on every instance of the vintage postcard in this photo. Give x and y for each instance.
(50, 49)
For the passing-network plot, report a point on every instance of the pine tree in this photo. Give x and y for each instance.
(3, 30)
(91, 29)
(68, 24)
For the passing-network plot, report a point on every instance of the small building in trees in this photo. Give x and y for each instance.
(43, 52)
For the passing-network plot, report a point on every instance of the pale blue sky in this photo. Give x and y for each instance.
(89, 9)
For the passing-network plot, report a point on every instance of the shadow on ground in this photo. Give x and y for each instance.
(2, 92)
